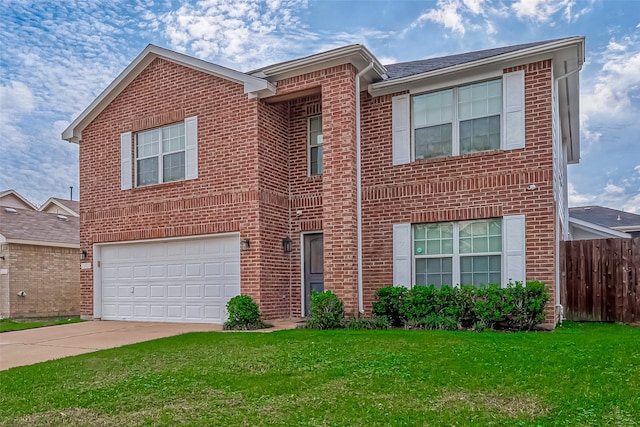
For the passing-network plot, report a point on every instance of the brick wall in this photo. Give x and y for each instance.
(471, 186)
(253, 178)
(49, 276)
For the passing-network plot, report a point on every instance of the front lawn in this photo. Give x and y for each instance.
(579, 375)
(8, 325)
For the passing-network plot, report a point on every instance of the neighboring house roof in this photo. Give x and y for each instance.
(607, 217)
(61, 206)
(31, 227)
(584, 229)
(12, 199)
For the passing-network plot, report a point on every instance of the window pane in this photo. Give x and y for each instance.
(173, 138)
(148, 144)
(315, 124)
(433, 239)
(432, 142)
(432, 108)
(419, 231)
(479, 270)
(481, 236)
(480, 99)
(316, 160)
(433, 271)
(173, 167)
(147, 171)
(480, 244)
(480, 135)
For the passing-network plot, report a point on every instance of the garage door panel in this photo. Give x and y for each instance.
(176, 281)
(157, 291)
(175, 270)
(193, 270)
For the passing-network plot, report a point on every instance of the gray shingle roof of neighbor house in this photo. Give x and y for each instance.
(606, 217)
(39, 228)
(406, 69)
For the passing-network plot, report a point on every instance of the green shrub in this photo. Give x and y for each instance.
(515, 307)
(527, 304)
(420, 302)
(378, 322)
(389, 304)
(434, 322)
(244, 314)
(489, 305)
(327, 311)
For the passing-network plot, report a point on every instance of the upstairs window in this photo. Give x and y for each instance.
(160, 155)
(315, 145)
(459, 120)
(165, 154)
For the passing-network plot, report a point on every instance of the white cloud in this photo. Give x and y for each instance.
(446, 14)
(632, 205)
(613, 189)
(16, 98)
(577, 199)
(544, 10)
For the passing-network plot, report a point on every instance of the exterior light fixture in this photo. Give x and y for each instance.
(245, 244)
(83, 254)
(286, 245)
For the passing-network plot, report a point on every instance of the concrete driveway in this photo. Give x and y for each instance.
(31, 346)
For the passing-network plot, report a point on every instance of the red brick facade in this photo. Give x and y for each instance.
(253, 179)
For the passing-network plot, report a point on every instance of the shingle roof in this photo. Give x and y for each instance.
(24, 224)
(605, 217)
(405, 69)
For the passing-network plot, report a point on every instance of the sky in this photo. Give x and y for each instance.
(57, 56)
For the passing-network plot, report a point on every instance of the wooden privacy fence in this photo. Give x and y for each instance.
(601, 280)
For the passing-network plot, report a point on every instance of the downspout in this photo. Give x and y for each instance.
(359, 187)
(559, 309)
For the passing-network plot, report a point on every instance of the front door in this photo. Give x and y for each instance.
(313, 267)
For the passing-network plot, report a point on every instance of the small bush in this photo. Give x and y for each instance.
(420, 302)
(378, 322)
(490, 305)
(327, 311)
(244, 314)
(389, 304)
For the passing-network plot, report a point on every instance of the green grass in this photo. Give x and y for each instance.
(579, 375)
(8, 325)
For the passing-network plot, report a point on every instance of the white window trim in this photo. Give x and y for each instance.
(310, 145)
(455, 121)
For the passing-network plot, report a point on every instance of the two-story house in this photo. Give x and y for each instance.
(330, 171)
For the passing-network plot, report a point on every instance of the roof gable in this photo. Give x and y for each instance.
(61, 206)
(13, 199)
(253, 86)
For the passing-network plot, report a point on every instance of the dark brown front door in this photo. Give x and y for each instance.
(313, 267)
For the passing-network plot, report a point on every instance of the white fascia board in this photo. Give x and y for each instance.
(599, 230)
(42, 243)
(17, 195)
(506, 60)
(357, 54)
(252, 85)
(58, 204)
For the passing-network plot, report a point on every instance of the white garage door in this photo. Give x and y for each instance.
(186, 280)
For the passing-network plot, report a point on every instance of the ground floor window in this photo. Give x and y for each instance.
(451, 253)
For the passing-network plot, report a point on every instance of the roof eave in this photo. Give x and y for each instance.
(605, 232)
(253, 86)
(40, 243)
(358, 55)
(395, 85)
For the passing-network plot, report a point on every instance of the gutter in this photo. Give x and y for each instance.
(359, 187)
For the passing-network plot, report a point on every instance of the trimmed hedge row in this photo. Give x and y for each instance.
(517, 307)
